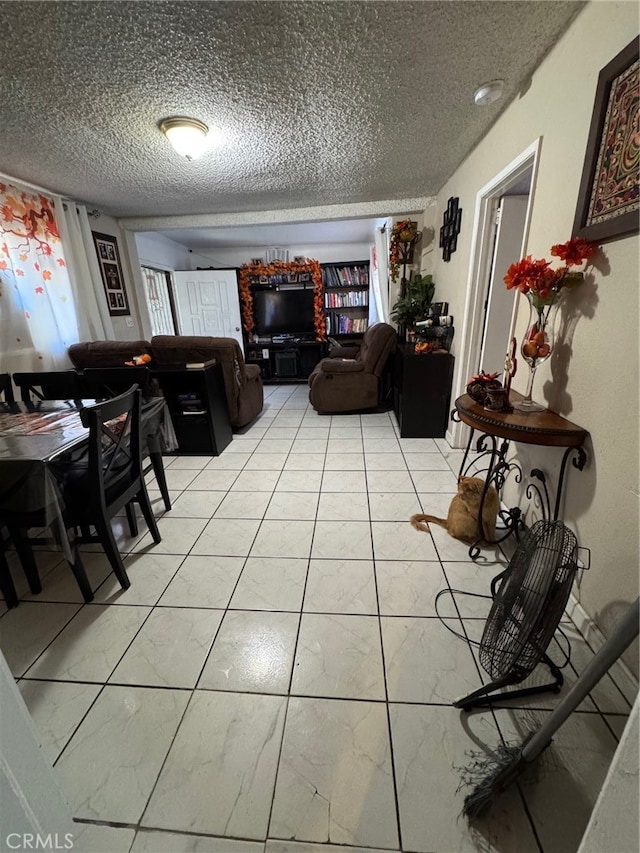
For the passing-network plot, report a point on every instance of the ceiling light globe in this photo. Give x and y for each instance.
(488, 93)
(188, 136)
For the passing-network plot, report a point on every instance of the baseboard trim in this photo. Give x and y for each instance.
(624, 679)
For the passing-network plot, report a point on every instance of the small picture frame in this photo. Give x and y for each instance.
(292, 278)
(111, 272)
(439, 308)
(304, 277)
(263, 279)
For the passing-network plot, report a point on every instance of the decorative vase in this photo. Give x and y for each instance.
(538, 341)
(478, 387)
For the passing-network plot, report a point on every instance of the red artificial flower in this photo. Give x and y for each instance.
(536, 276)
(483, 377)
(574, 251)
(526, 274)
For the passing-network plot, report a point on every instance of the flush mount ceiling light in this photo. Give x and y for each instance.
(488, 92)
(187, 135)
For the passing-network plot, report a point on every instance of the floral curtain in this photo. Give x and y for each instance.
(37, 307)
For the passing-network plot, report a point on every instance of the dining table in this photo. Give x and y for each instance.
(39, 443)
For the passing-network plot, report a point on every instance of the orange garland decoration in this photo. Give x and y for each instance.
(249, 272)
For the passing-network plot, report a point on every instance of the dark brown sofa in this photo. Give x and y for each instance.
(242, 382)
(106, 353)
(340, 384)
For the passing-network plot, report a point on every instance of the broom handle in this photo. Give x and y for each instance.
(622, 637)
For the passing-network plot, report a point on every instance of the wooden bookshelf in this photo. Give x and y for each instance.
(346, 298)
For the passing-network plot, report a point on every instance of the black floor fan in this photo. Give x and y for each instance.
(528, 604)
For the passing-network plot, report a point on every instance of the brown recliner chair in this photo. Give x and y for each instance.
(347, 385)
(242, 382)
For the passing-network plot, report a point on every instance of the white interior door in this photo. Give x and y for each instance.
(499, 306)
(207, 303)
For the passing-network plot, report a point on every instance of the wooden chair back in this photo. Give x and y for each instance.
(49, 385)
(6, 388)
(114, 463)
(102, 383)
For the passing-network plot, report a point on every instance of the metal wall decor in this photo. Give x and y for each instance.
(450, 228)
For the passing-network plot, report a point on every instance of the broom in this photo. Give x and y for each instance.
(499, 769)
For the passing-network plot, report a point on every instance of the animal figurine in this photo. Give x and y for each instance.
(462, 519)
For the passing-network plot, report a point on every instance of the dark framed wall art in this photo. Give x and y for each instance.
(608, 200)
(111, 272)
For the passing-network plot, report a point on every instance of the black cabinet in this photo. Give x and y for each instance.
(198, 406)
(422, 392)
(290, 361)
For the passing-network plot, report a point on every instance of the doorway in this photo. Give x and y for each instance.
(509, 222)
(517, 177)
(208, 303)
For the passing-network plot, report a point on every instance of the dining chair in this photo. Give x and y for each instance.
(7, 587)
(108, 382)
(113, 476)
(6, 388)
(96, 480)
(102, 383)
(49, 385)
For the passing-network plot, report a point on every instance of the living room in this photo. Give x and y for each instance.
(551, 112)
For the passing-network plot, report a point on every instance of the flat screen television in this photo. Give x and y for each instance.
(283, 312)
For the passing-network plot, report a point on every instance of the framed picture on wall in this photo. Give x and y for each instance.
(608, 200)
(111, 272)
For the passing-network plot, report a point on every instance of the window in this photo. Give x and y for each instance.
(159, 296)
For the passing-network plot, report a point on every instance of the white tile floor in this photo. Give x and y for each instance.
(276, 679)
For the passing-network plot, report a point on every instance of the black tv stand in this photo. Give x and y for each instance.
(286, 359)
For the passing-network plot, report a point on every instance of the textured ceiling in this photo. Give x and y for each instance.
(319, 103)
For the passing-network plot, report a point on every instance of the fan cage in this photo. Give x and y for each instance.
(529, 605)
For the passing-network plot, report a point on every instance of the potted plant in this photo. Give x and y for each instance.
(415, 304)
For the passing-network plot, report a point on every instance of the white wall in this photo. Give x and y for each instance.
(158, 251)
(595, 381)
(613, 824)
(122, 330)
(31, 800)
(332, 253)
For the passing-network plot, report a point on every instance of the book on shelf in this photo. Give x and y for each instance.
(346, 275)
(340, 324)
(198, 365)
(352, 299)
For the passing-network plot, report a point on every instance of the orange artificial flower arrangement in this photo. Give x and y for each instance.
(403, 232)
(424, 347)
(542, 284)
(249, 273)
